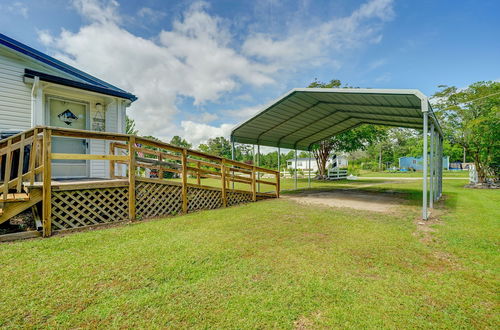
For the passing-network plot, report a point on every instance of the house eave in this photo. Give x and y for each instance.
(31, 74)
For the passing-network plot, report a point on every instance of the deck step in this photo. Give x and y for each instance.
(15, 197)
(17, 206)
(1, 212)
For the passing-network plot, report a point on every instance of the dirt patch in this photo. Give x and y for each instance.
(303, 322)
(355, 199)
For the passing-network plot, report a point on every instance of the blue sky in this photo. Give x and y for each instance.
(199, 68)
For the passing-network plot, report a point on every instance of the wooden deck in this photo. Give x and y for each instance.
(136, 188)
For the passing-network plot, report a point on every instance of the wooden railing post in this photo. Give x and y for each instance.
(33, 156)
(160, 169)
(20, 166)
(184, 181)
(8, 164)
(198, 175)
(131, 178)
(254, 191)
(223, 181)
(47, 183)
(112, 170)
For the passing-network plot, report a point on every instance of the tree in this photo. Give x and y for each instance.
(352, 140)
(355, 139)
(471, 118)
(218, 146)
(180, 142)
(130, 126)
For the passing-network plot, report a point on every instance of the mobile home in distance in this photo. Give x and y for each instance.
(415, 163)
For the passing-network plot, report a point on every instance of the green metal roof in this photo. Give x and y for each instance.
(305, 116)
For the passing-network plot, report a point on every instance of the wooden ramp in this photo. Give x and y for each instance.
(146, 179)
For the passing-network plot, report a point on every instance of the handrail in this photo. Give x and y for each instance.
(13, 178)
(69, 132)
(137, 154)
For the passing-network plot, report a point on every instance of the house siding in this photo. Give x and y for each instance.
(16, 104)
(15, 96)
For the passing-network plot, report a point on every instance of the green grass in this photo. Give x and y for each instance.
(418, 174)
(267, 264)
(285, 184)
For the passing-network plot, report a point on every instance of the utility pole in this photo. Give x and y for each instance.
(380, 158)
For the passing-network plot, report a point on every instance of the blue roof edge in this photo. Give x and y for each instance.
(76, 84)
(49, 60)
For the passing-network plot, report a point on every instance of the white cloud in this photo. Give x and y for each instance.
(198, 133)
(102, 11)
(16, 7)
(323, 39)
(199, 58)
(243, 113)
(150, 14)
(45, 37)
(193, 59)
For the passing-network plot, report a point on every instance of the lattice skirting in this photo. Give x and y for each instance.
(234, 198)
(85, 207)
(156, 199)
(203, 199)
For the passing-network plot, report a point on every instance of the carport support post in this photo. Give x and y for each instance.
(258, 164)
(432, 162)
(424, 155)
(279, 163)
(441, 166)
(436, 168)
(295, 169)
(436, 191)
(232, 157)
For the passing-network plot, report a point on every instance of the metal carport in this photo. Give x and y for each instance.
(305, 116)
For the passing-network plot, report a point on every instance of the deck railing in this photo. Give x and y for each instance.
(135, 159)
(16, 152)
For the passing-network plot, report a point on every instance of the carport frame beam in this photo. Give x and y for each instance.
(425, 115)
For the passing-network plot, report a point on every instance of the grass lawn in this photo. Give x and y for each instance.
(268, 264)
(446, 174)
(302, 183)
(285, 184)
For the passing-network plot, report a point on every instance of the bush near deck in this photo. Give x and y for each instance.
(267, 264)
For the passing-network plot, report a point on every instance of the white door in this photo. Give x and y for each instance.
(68, 114)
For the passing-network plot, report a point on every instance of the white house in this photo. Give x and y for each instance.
(36, 89)
(304, 163)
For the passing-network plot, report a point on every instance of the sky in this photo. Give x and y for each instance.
(199, 68)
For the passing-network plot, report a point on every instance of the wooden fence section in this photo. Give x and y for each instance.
(147, 178)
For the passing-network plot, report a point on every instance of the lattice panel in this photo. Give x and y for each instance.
(203, 199)
(156, 199)
(80, 208)
(234, 198)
